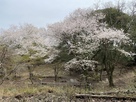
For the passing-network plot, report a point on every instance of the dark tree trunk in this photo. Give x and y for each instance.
(111, 84)
(101, 75)
(110, 76)
(56, 78)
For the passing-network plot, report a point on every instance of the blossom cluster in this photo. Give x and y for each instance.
(27, 40)
(83, 32)
(81, 64)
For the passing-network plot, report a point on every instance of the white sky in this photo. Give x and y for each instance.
(39, 12)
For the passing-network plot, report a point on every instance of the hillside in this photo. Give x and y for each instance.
(89, 56)
(20, 88)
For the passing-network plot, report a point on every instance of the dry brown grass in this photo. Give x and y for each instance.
(23, 85)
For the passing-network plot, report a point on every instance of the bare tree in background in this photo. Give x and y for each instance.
(121, 5)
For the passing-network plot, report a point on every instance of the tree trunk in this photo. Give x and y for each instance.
(110, 76)
(111, 84)
(55, 74)
(30, 74)
(101, 75)
(56, 78)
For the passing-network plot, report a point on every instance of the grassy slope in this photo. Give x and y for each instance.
(123, 81)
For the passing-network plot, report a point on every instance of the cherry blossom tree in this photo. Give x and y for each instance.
(85, 68)
(30, 43)
(27, 40)
(85, 33)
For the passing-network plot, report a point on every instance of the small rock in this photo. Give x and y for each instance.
(19, 97)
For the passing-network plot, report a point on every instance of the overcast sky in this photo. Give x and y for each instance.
(39, 12)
